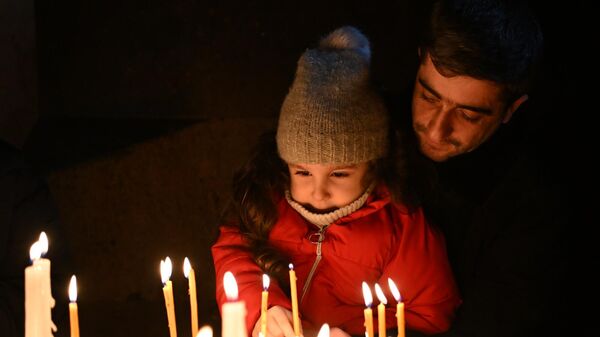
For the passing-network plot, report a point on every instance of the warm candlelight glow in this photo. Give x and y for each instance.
(35, 252)
(73, 314)
(189, 273)
(368, 312)
(233, 312)
(394, 290)
(73, 289)
(205, 331)
(367, 295)
(264, 305)
(381, 310)
(230, 285)
(399, 308)
(294, 295)
(324, 331)
(43, 242)
(166, 269)
(38, 292)
(186, 267)
(380, 294)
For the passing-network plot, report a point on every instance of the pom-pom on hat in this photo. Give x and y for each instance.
(332, 114)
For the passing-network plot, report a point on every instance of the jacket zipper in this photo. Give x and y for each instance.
(321, 236)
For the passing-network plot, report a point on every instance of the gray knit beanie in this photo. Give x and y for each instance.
(332, 114)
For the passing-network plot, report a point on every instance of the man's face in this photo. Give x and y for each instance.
(322, 188)
(454, 115)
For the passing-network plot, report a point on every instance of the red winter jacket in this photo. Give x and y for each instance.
(378, 241)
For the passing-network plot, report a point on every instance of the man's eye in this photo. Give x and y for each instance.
(339, 174)
(428, 98)
(470, 116)
(302, 173)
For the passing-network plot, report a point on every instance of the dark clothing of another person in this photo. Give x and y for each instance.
(26, 209)
(504, 210)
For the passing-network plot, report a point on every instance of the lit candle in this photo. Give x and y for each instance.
(381, 310)
(205, 331)
(38, 292)
(188, 271)
(293, 290)
(368, 312)
(234, 311)
(166, 268)
(399, 307)
(324, 331)
(73, 315)
(264, 304)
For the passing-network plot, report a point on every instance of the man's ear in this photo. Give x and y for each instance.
(513, 107)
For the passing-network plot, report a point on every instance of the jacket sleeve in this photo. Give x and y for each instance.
(230, 253)
(420, 269)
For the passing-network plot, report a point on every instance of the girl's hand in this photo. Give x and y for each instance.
(279, 323)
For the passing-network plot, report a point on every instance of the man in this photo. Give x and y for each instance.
(494, 193)
(26, 209)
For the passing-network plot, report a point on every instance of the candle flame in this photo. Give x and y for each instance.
(367, 294)
(166, 268)
(266, 282)
(73, 289)
(394, 290)
(291, 266)
(380, 294)
(43, 240)
(230, 285)
(205, 331)
(324, 331)
(187, 267)
(35, 252)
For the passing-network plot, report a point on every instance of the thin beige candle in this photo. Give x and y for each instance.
(399, 308)
(188, 271)
(264, 305)
(293, 290)
(381, 310)
(73, 314)
(368, 311)
(166, 268)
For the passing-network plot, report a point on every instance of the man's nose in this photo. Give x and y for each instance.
(439, 127)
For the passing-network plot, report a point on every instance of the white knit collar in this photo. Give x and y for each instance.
(321, 220)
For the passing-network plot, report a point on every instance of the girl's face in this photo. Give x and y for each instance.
(322, 188)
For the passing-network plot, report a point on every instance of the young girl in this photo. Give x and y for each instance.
(322, 195)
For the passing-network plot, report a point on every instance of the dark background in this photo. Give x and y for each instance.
(137, 112)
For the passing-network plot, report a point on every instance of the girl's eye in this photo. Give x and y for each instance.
(339, 174)
(302, 173)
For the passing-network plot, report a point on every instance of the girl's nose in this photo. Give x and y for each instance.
(320, 192)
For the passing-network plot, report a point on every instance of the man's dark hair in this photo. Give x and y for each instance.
(494, 40)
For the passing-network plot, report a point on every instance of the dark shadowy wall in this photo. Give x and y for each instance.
(17, 70)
